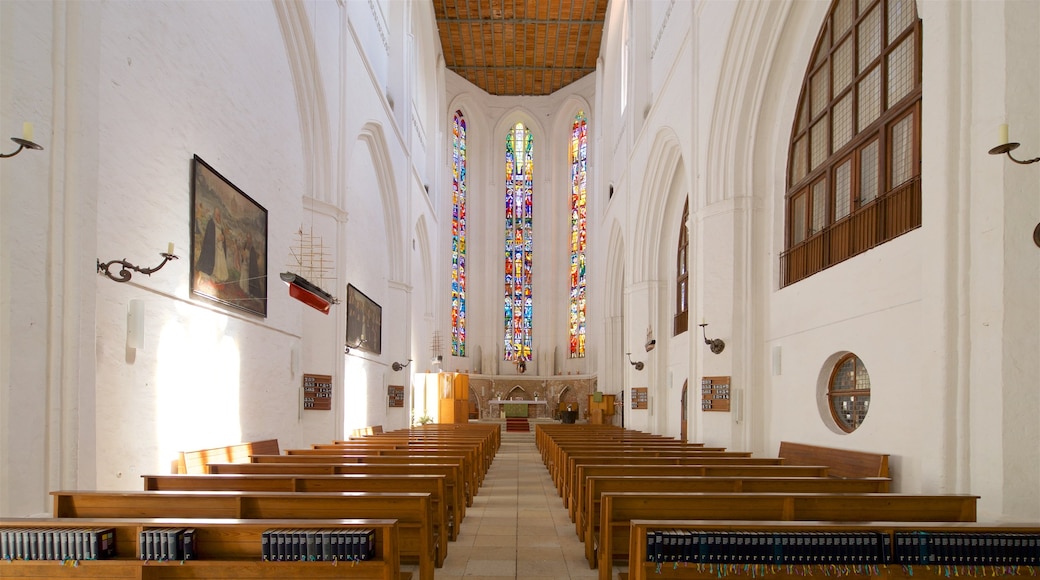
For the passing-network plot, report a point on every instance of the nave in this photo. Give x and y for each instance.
(517, 526)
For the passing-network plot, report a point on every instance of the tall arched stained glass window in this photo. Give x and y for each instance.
(519, 302)
(579, 157)
(458, 236)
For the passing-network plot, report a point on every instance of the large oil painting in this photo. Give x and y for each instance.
(364, 322)
(228, 243)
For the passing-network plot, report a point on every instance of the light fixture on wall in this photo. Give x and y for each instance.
(24, 142)
(638, 364)
(398, 366)
(124, 270)
(360, 341)
(715, 344)
(651, 342)
(1006, 147)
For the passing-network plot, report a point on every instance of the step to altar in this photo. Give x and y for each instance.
(517, 424)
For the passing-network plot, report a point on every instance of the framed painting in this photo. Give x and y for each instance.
(364, 322)
(228, 242)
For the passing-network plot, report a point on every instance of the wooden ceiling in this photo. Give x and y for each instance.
(520, 47)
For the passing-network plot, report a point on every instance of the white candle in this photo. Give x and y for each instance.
(1003, 134)
(169, 248)
(27, 131)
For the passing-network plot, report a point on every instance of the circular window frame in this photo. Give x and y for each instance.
(831, 394)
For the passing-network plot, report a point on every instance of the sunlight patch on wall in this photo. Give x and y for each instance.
(355, 394)
(197, 386)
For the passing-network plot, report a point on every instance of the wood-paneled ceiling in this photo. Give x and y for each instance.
(520, 47)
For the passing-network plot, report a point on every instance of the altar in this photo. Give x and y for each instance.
(518, 408)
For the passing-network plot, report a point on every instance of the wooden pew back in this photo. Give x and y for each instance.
(843, 462)
(195, 461)
(617, 510)
(413, 511)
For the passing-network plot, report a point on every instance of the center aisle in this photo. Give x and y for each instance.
(517, 527)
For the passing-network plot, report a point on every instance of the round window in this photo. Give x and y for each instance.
(848, 393)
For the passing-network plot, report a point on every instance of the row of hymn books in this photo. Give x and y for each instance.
(851, 548)
(318, 545)
(165, 544)
(57, 543)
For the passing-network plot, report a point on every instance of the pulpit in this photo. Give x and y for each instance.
(454, 397)
(601, 408)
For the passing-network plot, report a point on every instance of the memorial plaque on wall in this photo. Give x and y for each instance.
(715, 394)
(395, 396)
(639, 398)
(317, 392)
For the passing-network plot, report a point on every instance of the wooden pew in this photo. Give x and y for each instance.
(452, 474)
(227, 548)
(195, 461)
(559, 462)
(843, 462)
(587, 524)
(431, 484)
(747, 467)
(469, 476)
(619, 509)
(412, 511)
(486, 441)
(676, 468)
(966, 561)
(472, 460)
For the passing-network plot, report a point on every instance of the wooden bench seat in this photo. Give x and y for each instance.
(473, 459)
(411, 483)
(468, 475)
(619, 509)
(413, 511)
(567, 474)
(451, 472)
(843, 462)
(558, 466)
(650, 468)
(587, 522)
(745, 467)
(227, 548)
(195, 461)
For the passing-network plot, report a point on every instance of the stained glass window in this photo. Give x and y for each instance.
(519, 302)
(579, 157)
(458, 236)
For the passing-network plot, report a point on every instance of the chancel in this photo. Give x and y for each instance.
(528, 210)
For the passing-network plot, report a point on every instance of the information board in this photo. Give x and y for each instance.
(715, 394)
(317, 392)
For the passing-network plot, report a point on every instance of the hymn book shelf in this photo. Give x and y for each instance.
(643, 565)
(227, 548)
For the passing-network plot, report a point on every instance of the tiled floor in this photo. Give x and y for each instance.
(517, 527)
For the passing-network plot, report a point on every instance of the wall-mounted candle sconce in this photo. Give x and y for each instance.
(1006, 147)
(360, 341)
(398, 366)
(638, 364)
(25, 142)
(715, 344)
(125, 267)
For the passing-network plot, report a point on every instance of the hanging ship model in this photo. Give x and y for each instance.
(309, 257)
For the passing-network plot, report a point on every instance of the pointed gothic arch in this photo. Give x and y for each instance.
(373, 137)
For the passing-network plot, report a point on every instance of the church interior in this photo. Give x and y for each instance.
(731, 223)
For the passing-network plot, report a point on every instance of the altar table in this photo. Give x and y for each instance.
(517, 407)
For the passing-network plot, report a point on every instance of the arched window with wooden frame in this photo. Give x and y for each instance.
(681, 321)
(854, 163)
(848, 393)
